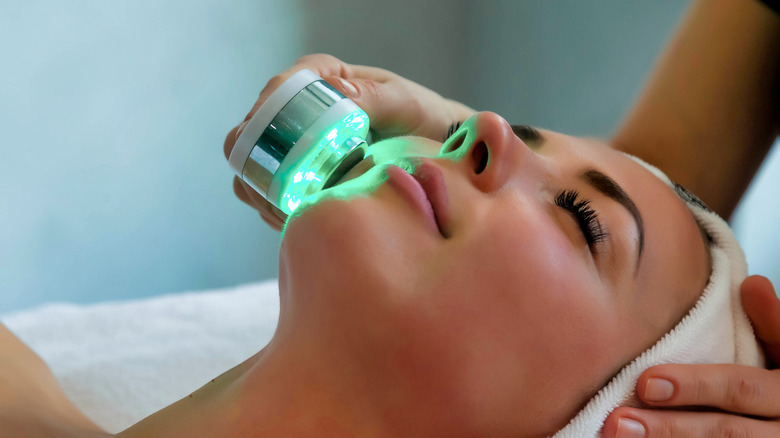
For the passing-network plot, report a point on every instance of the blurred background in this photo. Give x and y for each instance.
(113, 183)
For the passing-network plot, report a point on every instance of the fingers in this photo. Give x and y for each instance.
(269, 213)
(735, 388)
(320, 63)
(240, 191)
(397, 106)
(368, 94)
(631, 422)
(325, 66)
(230, 140)
(274, 223)
(763, 307)
(741, 390)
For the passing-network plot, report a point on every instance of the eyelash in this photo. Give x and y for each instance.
(454, 127)
(585, 215)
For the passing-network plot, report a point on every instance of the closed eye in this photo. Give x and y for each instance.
(586, 217)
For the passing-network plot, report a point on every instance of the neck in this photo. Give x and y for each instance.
(292, 390)
(301, 390)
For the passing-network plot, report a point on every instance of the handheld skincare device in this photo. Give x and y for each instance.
(302, 140)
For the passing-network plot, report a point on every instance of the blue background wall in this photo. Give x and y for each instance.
(113, 184)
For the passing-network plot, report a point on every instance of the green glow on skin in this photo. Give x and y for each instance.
(404, 152)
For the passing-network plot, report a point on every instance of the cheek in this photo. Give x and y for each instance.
(507, 279)
(339, 241)
(505, 313)
(554, 295)
(353, 261)
(516, 267)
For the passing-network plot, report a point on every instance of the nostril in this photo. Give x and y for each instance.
(453, 144)
(480, 155)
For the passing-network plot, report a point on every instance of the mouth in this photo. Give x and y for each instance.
(411, 191)
(424, 189)
(431, 179)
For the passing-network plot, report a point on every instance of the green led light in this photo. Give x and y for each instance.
(308, 175)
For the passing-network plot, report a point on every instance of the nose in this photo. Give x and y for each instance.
(488, 149)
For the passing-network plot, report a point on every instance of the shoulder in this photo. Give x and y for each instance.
(32, 403)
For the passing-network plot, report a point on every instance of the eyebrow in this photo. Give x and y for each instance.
(609, 188)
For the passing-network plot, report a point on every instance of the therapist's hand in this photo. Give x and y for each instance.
(748, 397)
(395, 105)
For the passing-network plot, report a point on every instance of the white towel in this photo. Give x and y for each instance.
(715, 330)
(121, 361)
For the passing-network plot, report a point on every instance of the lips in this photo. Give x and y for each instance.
(426, 191)
(431, 179)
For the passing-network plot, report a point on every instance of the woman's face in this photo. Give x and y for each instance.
(525, 303)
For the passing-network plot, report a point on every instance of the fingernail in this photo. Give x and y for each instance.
(628, 428)
(349, 89)
(658, 390)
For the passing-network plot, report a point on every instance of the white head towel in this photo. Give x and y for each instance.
(715, 330)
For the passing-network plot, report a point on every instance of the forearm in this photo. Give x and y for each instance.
(710, 110)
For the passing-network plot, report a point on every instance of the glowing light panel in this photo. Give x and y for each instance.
(307, 176)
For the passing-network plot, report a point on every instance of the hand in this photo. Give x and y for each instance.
(749, 396)
(395, 105)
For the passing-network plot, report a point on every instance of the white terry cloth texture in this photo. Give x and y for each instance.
(121, 361)
(715, 330)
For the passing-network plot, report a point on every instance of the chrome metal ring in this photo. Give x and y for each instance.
(285, 129)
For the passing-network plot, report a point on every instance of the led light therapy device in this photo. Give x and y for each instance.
(302, 140)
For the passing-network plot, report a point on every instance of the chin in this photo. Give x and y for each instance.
(341, 242)
(331, 222)
(324, 238)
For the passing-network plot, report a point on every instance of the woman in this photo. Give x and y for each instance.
(393, 325)
(708, 116)
(499, 319)
(221, 407)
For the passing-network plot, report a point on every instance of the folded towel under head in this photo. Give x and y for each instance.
(715, 330)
